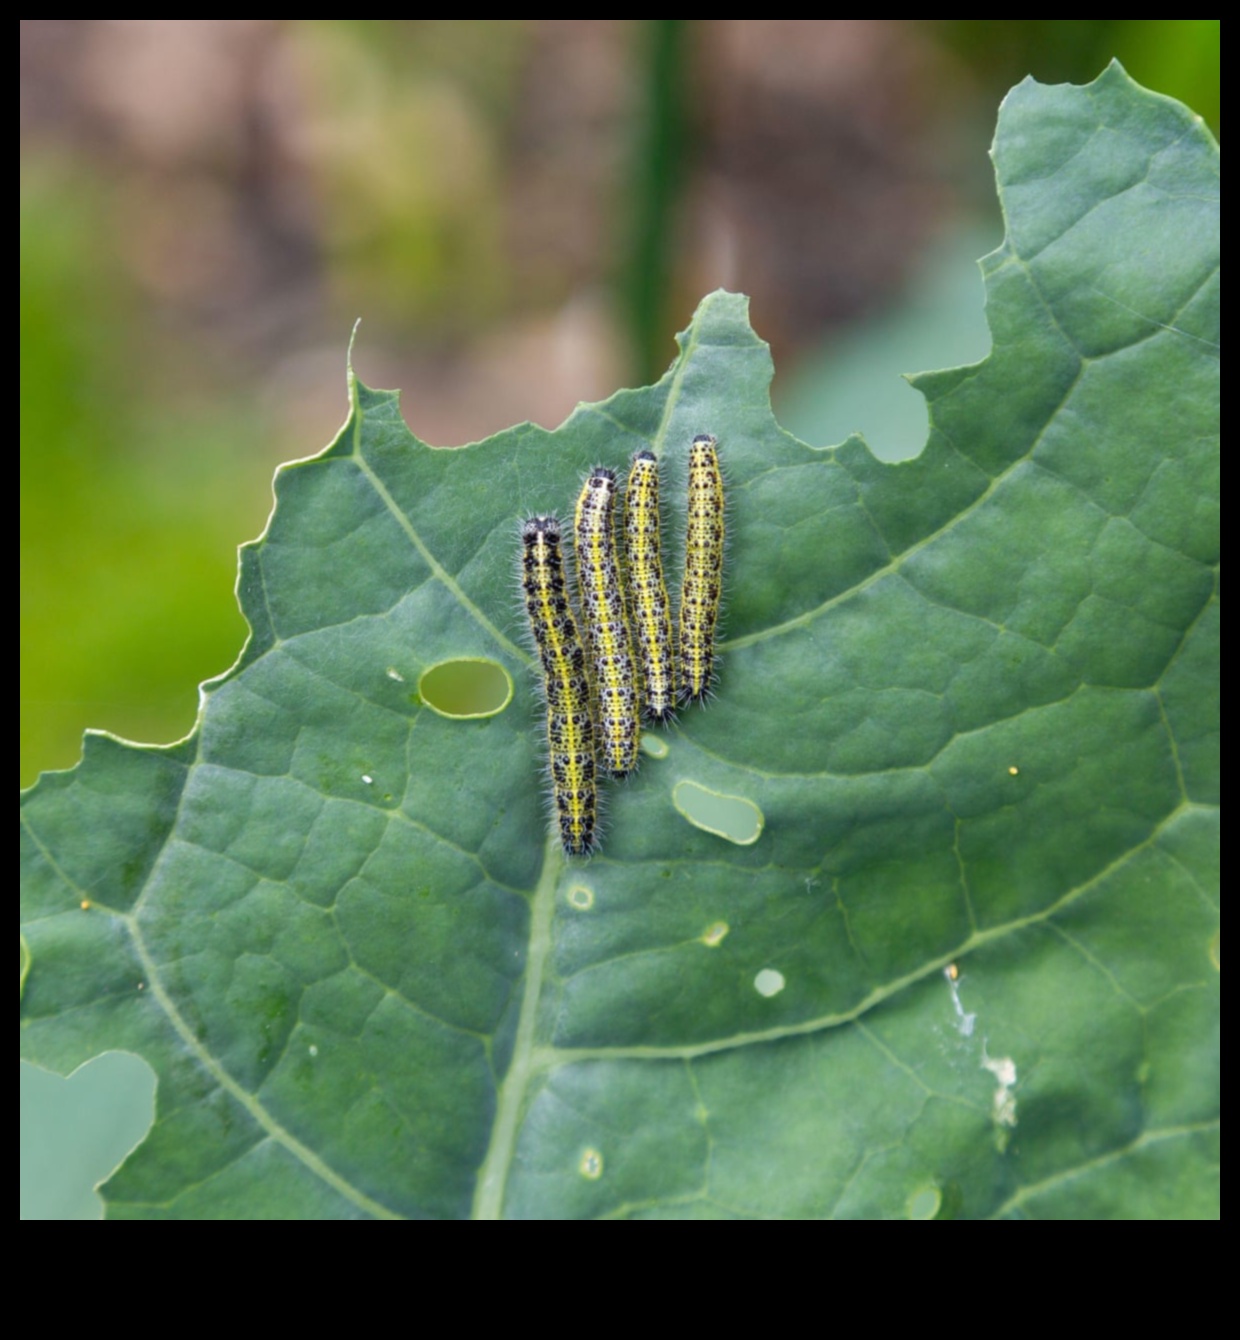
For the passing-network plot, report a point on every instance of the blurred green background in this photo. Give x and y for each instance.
(522, 213)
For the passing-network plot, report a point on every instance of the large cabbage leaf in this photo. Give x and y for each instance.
(918, 918)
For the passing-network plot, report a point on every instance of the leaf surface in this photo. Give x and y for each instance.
(959, 955)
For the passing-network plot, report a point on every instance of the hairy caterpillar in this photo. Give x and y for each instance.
(570, 725)
(607, 630)
(703, 581)
(648, 604)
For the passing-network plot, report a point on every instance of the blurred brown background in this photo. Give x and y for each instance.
(522, 214)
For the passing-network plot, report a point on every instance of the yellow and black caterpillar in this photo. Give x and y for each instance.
(703, 581)
(570, 725)
(648, 603)
(607, 628)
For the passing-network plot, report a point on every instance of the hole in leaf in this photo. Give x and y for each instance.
(731, 817)
(652, 745)
(769, 982)
(466, 689)
(924, 1203)
(75, 1131)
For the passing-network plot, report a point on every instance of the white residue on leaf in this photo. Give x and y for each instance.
(964, 1022)
(1003, 1104)
(394, 673)
(368, 779)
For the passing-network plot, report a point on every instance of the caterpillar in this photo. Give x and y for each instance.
(648, 604)
(570, 725)
(703, 580)
(607, 630)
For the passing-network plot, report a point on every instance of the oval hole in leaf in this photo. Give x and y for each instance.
(924, 1203)
(732, 817)
(652, 745)
(466, 689)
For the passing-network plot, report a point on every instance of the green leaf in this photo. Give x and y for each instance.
(961, 959)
